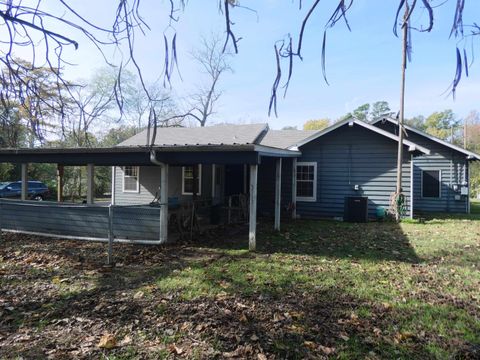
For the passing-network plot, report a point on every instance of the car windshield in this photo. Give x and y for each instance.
(3, 185)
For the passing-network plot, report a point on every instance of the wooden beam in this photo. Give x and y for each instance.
(60, 172)
(164, 203)
(24, 191)
(90, 183)
(294, 188)
(252, 233)
(278, 193)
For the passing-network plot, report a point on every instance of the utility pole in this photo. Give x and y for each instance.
(465, 133)
(402, 114)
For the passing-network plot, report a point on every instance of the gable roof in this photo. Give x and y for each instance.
(284, 139)
(411, 145)
(209, 135)
(471, 155)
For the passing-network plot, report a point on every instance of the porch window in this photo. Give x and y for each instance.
(431, 182)
(306, 181)
(130, 178)
(188, 182)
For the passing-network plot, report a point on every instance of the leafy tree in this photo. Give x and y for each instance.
(319, 124)
(361, 112)
(116, 135)
(379, 109)
(418, 122)
(289, 128)
(442, 124)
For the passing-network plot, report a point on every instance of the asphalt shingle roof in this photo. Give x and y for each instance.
(209, 135)
(283, 139)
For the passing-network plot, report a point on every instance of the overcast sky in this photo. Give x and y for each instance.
(362, 65)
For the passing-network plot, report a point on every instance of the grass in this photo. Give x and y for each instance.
(317, 288)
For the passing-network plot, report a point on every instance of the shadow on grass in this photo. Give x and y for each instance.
(371, 241)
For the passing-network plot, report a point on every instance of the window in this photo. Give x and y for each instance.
(307, 181)
(187, 180)
(130, 178)
(431, 184)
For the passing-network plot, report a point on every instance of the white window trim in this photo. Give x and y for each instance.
(199, 181)
(314, 197)
(137, 190)
(439, 184)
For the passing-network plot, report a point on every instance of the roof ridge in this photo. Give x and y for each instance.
(431, 137)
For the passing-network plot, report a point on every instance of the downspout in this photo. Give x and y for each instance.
(153, 158)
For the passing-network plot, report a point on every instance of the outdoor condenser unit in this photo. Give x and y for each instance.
(356, 209)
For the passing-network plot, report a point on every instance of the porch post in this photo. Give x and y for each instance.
(24, 191)
(294, 188)
(278, 192)
(252, 233)
(60, 172)
(213, 182)
(164, 203)
(90, 183)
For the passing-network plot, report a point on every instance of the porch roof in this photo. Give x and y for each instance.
(141, 155)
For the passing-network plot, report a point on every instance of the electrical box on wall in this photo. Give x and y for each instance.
(458, 197)
(464, 190)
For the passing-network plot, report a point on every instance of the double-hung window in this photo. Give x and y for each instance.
(431, 184)
(130, 178)
(306, 181)
(188, 181)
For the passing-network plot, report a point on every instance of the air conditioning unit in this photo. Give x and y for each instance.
(464, 190)
(356, 209)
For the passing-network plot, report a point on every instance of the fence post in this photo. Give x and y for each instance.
(1, 220)
(110, 235)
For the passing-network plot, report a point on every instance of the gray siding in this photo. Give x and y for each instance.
(454, 170)
(149, 182)
(352, 156)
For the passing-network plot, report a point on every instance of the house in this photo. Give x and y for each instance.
(347, 168)
(349, 159)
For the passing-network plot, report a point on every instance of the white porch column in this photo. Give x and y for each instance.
(90, 183)
(24, 191)
(252, 233)
(278, 193)
(164, 203)
(294, 188)
(113, 187)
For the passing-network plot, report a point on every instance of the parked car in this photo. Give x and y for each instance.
(36, 190)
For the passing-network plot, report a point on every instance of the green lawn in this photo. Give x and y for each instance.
(317, 289)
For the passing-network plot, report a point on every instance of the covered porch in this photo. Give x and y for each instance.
(245, 160)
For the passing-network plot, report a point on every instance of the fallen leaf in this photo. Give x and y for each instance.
(175, 349)
(138, 295)
(108, 341)
(326, 349)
